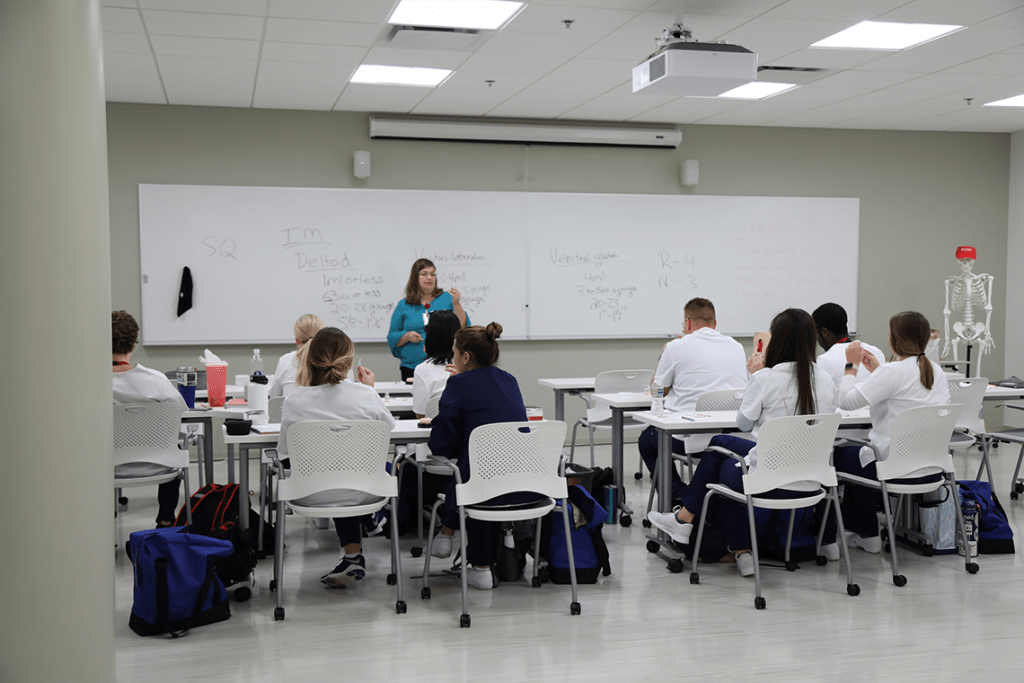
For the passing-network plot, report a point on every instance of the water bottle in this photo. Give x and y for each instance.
(969, 508)
(256, 364)
(657, 397)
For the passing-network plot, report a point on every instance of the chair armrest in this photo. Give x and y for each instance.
(585, 398)
(735, 456)
(445, 462)
(1010, 405)
(275, 460)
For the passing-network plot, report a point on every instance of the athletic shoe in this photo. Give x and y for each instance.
(442, 546)
(745, 564)
(831, 552)
(481, 578)
(348, 571)
(667, 522)
(870, 544)
(376, 524)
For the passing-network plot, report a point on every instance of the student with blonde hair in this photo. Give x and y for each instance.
(287, 367)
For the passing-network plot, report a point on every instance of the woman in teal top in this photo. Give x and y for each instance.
(408, 322)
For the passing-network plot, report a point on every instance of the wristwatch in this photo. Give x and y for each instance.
(849, 366)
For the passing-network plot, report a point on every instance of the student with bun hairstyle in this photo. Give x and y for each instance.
(911, 380)
(478, 393)
(322, 394)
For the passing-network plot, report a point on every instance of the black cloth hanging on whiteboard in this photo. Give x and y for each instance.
(185, 292)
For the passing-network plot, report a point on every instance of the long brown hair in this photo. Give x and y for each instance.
(327, 360)
(793, 340)
(412, 287)
(480, 342)
(909, 333)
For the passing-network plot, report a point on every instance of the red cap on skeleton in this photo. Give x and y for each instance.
(966, 252)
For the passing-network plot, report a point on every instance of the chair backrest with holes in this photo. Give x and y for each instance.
(970, 392)
(725, 399)
(338, 454)
(920, 438)
(432, 406)
(148, 432)
(505, 457)
(614, 381)
(274, 406)
(791, 449)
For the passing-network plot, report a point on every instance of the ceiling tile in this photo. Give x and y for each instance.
(734, 8)
(322, 32)
(1001, 64)
(290, 85)
(950, 11)
(434, 59)
(705, 27)
(467, 94)
(364, 11)
(764, 112)
(129, 61)
(867, 80)
(133, 86)
(975, 40)
(634, 49)
(312, 54)
(244, 7)
(944, 82)
(917, 61)
(114, 41)
(833, 10)
(1013, 19)
(586, 21)
(635, 5)
(618, 104)
(212, 82)
(206, 47)
(380, 98)
(827, 59)
(121, 20)
(203, 25)
(487, 63)
(511, 43)
(782, 32)
(687, 110)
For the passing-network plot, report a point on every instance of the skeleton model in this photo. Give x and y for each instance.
(971, 294)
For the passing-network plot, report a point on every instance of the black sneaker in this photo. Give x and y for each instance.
(348, 572)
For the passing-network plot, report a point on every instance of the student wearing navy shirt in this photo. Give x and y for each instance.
(409, 319)
(478, 393)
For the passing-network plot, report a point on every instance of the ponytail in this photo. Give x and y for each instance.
(927, 375)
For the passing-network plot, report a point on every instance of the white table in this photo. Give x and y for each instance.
(399, 404)
(405, 431)
(994, 393)
(384, 388)
(566, 385)
(709, 421)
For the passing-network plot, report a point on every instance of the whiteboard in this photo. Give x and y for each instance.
(605, 265)
(262, 256)
(544, 265)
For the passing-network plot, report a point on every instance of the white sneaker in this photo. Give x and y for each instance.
(871, 544)
(831, 552)
(480, 578)
(667, 522)
(442, 546)
(745, 564)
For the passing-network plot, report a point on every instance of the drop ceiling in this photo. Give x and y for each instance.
(299, 54)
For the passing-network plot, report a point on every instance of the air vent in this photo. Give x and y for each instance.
(433, 38)
(657, 68)
(798, 75)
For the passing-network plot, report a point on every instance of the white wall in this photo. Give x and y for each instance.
(1014, 343)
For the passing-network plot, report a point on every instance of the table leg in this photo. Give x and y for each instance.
(617, 420)
(243, 487)
(559, 405)
(231, 463)
(664, 471)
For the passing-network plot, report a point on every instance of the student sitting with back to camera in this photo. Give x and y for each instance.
(140, 384)
(323, 394)
(701, 360)
(431, 376)
(785, 381)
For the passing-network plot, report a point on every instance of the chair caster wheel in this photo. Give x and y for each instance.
(575, 608)
(273, 585)
(279, 614)
(625, 520)
(416, 551)
(400, 607)
(123, 500)
(759, 603)
(1014, 495)
(899, 581)
(464, 621)
(928, 550)
(392, 579)
(241, 594)
(821, 560)
(646, 523)
(791, 566)
(653, 546)
(675, 565)
(694, 578)
(1018, 487)
(853, 589)
(638, 476)
(544, 574)
(425, 593)
(536, 582)
(972, 568)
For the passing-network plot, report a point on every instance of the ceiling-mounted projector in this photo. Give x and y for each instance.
(682, 66)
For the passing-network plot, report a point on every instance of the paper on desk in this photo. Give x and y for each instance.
(267, 429)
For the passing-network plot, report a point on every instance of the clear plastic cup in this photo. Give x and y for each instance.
(216, 384)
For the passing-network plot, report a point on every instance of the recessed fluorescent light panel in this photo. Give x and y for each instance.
(399, 75)
(472, 14)
(1017, 101)
(757, 90)
(885, 35)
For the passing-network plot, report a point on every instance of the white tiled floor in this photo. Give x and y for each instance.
(641, 623)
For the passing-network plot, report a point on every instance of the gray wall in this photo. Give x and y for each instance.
(922, 194)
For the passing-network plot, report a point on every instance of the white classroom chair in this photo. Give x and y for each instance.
(600, 417)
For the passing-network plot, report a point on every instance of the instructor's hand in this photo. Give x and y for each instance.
(456, 296)
(410, 337)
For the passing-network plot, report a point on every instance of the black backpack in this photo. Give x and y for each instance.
(215, 514)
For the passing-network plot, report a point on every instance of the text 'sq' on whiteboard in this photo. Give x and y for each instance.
(260, 257)
(625, 265)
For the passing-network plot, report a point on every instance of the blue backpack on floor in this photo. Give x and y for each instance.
(176, 586)
(588, 548)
